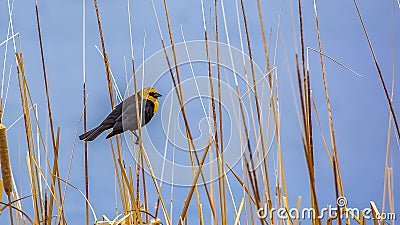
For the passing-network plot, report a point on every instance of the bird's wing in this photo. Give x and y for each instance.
(116, 114)
(128, 117)
(113, 116)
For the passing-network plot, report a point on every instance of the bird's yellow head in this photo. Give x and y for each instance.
(150, 94)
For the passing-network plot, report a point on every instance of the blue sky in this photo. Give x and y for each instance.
(359, 107)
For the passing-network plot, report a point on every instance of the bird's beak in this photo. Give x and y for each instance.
(156, 95)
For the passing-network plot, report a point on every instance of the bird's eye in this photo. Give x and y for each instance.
(152, 94)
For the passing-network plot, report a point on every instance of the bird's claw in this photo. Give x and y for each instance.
(137, 137)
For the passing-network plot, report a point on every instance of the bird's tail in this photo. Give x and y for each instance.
(93, 133)
(112, 133)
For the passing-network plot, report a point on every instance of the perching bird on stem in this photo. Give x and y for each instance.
(123, 117)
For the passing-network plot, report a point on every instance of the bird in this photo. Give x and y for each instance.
(124, 118)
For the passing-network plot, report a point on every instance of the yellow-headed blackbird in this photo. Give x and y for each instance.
(123, 117)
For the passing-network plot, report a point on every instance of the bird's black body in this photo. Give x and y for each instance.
(124, 118)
